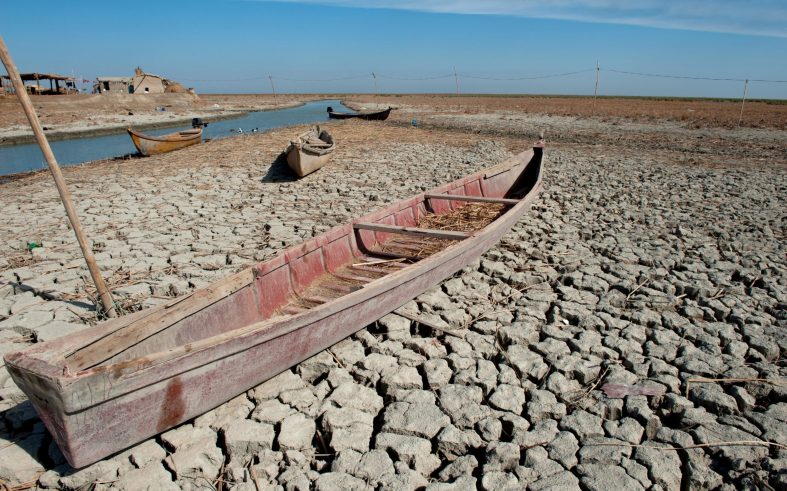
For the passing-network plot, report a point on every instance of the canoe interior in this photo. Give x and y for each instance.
(369, 116)
(313, 142)
(318, 271)
(153, 145)
(310, 151)
(170, 137)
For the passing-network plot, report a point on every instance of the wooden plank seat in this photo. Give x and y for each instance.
(418, 232)
(394, 255)
(370, 269)
(338, 288)
(353, 278)
(318, 299)
(292, 310)
(477, 199)
(373, 261)
(393, 244)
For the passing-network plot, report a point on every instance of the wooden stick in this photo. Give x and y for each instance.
(65, 196)
(738, 443)
(255, 479)
(628, 297)
(702, 380)
(418, 232)
(474, 199)
(372, 263)
(417, 318)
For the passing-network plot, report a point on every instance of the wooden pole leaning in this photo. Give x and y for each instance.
(65, 196)
(273, 89)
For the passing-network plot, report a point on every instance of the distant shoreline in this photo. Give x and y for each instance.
(118, 128)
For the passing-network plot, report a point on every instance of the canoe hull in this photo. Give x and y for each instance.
(304, 163)
(104, 409)
(303, 160)
(374, 116)
(150, 145)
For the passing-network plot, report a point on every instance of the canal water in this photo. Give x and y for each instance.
(27, 157)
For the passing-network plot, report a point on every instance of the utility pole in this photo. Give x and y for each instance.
(456, 78)
(374, 77)
(743, 101)
(65, 196)
(273, 89)
(595, 90)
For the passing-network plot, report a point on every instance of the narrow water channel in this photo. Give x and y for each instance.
(27, 157)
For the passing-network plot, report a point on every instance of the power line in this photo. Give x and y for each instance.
(221, 80)
(481, 77)
(686, 77)
(436, 77)
(529, 78)
(352, 77)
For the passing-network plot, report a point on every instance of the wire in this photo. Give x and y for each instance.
(478, 77)
(221, 80)
(685, 77)
(450, 75)
(321, 79)
(529, 78)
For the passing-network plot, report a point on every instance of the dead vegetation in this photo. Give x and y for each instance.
(697, 113)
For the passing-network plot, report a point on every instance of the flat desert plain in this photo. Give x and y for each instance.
(653, 259)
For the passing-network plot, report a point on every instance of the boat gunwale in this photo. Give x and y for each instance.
(300, 144)
(162, 361)
(175, 137)
(347, 115)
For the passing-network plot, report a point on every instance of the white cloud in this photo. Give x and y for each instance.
(752, 17)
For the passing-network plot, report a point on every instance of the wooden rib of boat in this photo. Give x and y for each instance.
(310, 151)
(152, 145)
(120, 382)
(369, 116)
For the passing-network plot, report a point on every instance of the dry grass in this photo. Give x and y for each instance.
(468, 218)
(698, 113)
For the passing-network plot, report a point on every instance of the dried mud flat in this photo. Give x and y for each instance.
(84, 115)
(651, 269)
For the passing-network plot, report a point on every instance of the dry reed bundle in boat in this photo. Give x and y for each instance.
(468, 218)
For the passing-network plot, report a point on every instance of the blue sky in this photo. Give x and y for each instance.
(233, 45)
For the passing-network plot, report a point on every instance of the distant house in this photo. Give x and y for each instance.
(113, 85)
(140, 83)
(146, 83)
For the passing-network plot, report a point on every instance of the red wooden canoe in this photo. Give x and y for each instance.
(117, 383)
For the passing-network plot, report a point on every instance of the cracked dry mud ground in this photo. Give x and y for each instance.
(630, 269)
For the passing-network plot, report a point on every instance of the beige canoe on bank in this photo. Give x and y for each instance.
(154, 145)
(310, 151)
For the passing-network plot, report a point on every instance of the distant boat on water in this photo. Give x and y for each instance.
(369, 116)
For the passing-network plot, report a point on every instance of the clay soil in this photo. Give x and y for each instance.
(86, 115)
(695, 113)
(67, 109)
(64, 111)
(653, 259)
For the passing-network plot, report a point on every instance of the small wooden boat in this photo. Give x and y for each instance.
(152, 145)
(369, 116)
(120, 382)
(310, 151)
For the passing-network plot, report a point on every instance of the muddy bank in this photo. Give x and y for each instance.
(633, 268)
(65, 117)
